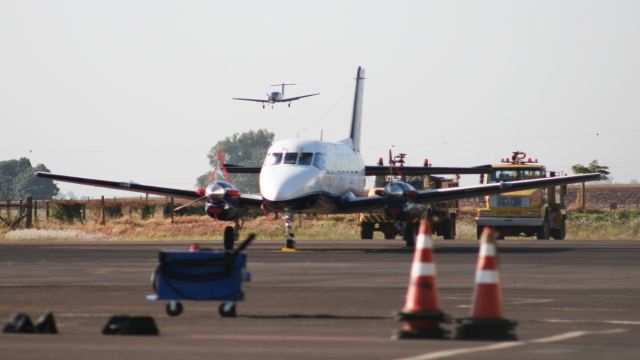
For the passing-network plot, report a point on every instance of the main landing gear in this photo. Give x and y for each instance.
(290, 243)
(231, 234)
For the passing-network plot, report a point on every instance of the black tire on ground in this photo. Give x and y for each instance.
(173, 308)
(366, 231)
(544, 231)
(559, 234)
(227, 309)
(389, 232)
(409, 235)
(229, 238)
(449, 228)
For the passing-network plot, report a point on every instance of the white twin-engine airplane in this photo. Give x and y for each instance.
(311, 176)
(277, 97)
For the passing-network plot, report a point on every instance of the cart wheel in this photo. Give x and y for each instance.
(174, 308)
(227, 309)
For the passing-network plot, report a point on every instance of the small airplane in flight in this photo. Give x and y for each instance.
(277, 97)
(320, 177)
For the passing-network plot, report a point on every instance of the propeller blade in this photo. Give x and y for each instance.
(189, 203)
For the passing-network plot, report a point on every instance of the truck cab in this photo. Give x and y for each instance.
(534, 212)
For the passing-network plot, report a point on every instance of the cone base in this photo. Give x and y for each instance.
(436, 333)
(421, 325)
(485, 329)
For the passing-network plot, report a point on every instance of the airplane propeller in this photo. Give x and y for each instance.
(217, 193)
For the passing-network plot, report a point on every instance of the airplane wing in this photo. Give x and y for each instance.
(245, 199)
(256, 100)
(371, 203)
(296, 98)
(239, 169)
(424, 170)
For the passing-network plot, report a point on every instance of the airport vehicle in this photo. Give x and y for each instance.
(277, 97)
(321, 177)
(540, 212)
(441, 214)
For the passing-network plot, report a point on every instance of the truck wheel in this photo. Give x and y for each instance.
(449, 228)
(409, 235)
(366, 231)
(389, 232)
(544, 231)
(559, 234)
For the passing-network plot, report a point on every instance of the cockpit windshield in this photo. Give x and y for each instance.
(290, 158)
(305, 158)
(515, 174)
(273, 159)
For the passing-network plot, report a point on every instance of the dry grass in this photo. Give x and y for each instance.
(588, 225)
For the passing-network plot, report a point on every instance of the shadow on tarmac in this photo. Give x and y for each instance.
(314, 316)
(502, 250)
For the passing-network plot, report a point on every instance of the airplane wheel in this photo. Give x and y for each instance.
(227, 309)
(174, 308)
(409, 235)
(229, 238)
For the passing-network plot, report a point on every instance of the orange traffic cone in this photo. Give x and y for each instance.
(420, 313)
(486, 322)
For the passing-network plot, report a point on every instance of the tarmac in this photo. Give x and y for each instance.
(331, 300)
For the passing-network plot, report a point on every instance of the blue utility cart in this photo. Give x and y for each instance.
(201, 276)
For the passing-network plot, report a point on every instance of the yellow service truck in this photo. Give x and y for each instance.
(442, 215)
(535, 212)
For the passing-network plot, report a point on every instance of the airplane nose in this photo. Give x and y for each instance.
(286, 183)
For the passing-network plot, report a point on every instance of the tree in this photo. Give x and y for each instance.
(246, 149)
(593, 167)
(17, 181)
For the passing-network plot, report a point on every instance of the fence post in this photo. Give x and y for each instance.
(20, 209)
(35, 211)
(102, 215)
(172, 209)
(84, 212)
(29, 209)
(46, 210)
(8, 210)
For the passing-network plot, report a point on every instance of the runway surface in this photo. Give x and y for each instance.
(331, 300)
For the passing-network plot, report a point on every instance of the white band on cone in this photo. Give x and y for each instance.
(487, 277)
(424, 242)
(487, 250)
(423, 269)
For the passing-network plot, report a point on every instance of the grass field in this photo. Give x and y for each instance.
(590, 224)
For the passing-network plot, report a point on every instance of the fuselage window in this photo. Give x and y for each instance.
(290, 158)
(273, 159)
(320, 161)
(305, 158)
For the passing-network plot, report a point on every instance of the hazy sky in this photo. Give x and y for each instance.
(140, 90)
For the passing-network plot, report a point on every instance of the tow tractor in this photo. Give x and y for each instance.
(535, 212)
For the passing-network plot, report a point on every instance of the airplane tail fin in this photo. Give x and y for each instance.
(283, 85)
(357, 110)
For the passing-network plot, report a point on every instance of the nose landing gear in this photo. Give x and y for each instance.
(290, 243)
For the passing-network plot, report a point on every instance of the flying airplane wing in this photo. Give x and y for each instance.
(256, 100)
(245, 199)
(296, 98)
(425, 170)
(370, 203)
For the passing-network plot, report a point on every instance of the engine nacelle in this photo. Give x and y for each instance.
(222, 200)
(400, 201)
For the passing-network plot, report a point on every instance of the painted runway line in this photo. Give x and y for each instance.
(500, 346)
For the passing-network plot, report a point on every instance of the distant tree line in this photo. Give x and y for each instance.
(18, 182)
